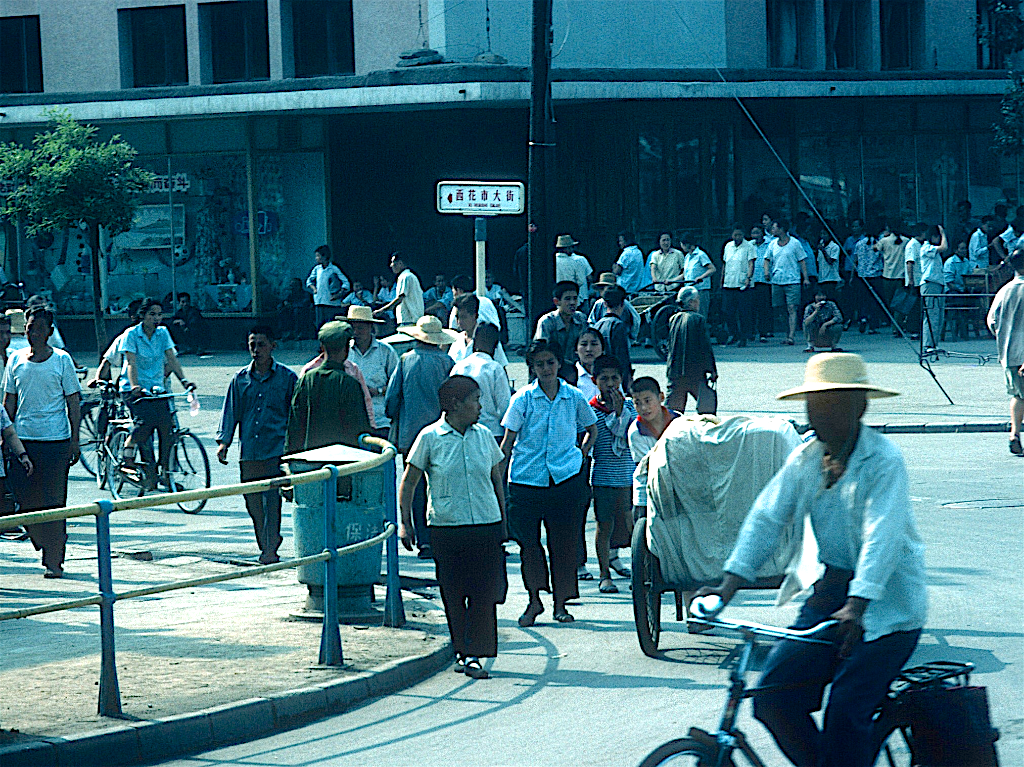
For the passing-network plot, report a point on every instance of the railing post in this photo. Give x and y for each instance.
(330, 637)
(394, 610)
(110, 693)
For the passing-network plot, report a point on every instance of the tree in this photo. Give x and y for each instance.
(1003, 30)
(68, 177)
(1009, 131)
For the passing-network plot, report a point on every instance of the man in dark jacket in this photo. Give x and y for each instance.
(691, 361)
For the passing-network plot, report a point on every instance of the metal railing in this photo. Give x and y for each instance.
(330, 638)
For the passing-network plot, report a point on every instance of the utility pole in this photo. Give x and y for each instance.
(540, 262)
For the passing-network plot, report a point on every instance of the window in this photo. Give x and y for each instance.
(237, 38)
(322, 33)
(21, 63)
(156, 39)
(842, 34)
(790, 33)
(897, 21)
(1000, 29)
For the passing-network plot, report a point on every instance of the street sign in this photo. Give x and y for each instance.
(481, 198)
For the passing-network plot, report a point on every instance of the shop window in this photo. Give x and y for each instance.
(322, 34)
(790, 33)
(21, 63)
(897, 21)
(153, 40)
(843, 33)
(236, 34)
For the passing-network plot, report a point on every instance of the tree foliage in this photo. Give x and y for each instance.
(67, 176)
(1004, 32)
(1009, 131)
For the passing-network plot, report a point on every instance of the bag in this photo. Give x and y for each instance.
(903, 301)
(950, 726)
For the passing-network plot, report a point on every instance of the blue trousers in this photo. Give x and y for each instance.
(858, 685)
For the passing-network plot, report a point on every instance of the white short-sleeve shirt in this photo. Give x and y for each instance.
(411, 307)
(41, 387)
(458, 469)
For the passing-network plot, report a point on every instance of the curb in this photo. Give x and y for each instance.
(184, 734)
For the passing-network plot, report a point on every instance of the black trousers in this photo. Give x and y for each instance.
(47, 488)
(761, 305)
(556, 506)
(264, 508)
(151, 415)
(470, 565)
(737, 309)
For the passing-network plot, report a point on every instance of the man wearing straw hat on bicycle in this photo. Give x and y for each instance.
(853, 483)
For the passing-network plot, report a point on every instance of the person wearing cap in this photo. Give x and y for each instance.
(629, 267)
(600, 308)
(375, 359)
(572, 266)
(852, 482)
(411, 402)
(327, 406)
(690, 367)
(257, 403)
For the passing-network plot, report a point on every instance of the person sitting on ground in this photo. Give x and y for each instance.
(615, 332)
(295, 313)
(630, 315)
(466, 515)
(481, 366)
(327, 407)
(652, 420)
(359, 296)
(852, 483)
(437, 300)
(564, 324)
(611, 475)
(823, 324)
(690, 367)
(188, 327)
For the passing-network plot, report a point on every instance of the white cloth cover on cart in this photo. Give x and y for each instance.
(703, 476)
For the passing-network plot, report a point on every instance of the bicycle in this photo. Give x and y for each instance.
(188, 466)
(98, 412)
(715, 749)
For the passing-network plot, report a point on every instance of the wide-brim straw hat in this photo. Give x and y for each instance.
(360, 314)
(565, 241)
(607, 280)
(836, 372)
(17, 321)
(429, 329)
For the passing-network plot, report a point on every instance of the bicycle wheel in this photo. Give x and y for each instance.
(88, 437)
(646, 592)
(115, 478)
(684, 752)
(189, 469)
(659, 329)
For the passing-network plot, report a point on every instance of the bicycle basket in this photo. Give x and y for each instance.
(947, 717)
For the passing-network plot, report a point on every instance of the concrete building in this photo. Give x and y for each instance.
(291, 117)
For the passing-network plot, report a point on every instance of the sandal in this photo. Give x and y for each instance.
(564, 616)
(788, 341)
(616, 564)
(809, 350)
(583, 574)
(606, 587)
(460, 665)
(529, 616)
(475, 670)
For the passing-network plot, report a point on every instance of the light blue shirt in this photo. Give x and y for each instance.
(545, 447)
(977, 250)
(953, 272)
(810, 261)
(634, 276)
(695, 263)
(762, 252)
(863, 523)
(149, 355)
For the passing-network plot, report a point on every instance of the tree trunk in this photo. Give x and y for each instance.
(97, 308)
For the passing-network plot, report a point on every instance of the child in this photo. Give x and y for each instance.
(652, 420)
(463, 466)
(612, 473)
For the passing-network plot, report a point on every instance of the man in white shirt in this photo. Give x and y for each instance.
(1006, 321)
(785, 263)
(468, 309)
(328, 286)
(481, 366)
(408, 300)
(462, 286)
(738, 258)
(853, 484)
(977, 248)
(572, 266)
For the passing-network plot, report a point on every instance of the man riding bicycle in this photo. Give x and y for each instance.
(853, 483)
(147, 349)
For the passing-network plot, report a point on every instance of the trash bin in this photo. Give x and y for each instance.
(359, 516)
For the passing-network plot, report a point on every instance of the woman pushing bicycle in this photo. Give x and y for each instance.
(148, 349)
(853, 483)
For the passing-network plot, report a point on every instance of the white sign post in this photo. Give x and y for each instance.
(480, 199)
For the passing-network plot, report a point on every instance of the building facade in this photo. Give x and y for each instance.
(273, 126)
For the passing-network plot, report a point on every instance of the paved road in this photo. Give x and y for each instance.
(584, 694)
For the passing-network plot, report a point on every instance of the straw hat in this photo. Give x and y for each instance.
(360, 314)
(17, 321)
(836, 372)
(607, 279)
(565, 241)
(428, 329)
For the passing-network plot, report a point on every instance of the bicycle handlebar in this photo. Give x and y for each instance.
(706, 610)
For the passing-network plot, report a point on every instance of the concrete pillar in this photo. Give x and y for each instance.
(193, 45)
(274, 39)
(872, 37)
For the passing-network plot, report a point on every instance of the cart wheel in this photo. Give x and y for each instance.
(646, 591)
(659, 329)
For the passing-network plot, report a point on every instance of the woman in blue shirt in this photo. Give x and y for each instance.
(545, 483)
(149, 353)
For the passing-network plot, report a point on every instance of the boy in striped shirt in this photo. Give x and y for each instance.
(611, 476)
